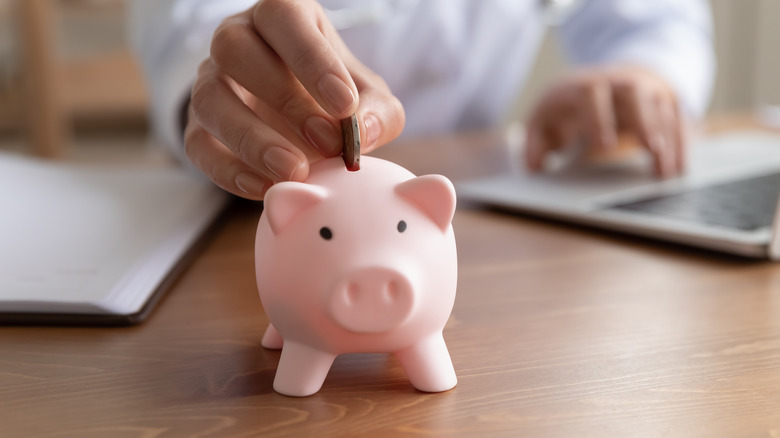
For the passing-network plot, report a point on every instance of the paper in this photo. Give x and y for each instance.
(87, 239)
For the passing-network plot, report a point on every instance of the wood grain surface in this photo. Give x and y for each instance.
(557, 331)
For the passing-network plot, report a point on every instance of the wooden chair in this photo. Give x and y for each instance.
(57, 91)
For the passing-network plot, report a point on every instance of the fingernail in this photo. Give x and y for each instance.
(336, 94)
(656, 143)
(281, 162)
(373, 129)
(251, 184)
(323, 136)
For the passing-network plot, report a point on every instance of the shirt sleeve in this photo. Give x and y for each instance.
(671, 37)
(171, 38)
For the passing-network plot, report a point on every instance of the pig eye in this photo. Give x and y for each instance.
(401, 226)
(326, 233)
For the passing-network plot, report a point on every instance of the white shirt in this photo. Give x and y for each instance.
(454, 64)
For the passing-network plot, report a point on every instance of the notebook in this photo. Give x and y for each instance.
(89, 244)
(726, 201)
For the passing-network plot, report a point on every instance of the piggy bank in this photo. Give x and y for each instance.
(358, 262)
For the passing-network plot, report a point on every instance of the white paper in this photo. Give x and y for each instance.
(87, 239)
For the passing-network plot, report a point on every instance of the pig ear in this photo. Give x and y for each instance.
(434, 195)
(285, 200)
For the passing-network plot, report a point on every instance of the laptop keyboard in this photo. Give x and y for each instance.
(745, 205)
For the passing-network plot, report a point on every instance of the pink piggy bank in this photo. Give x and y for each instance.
(360, 261)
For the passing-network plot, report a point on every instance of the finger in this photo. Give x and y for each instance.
(535, 149)
(216, 106)
(643, 121)
(552, 131)
(240, 53)
(220, 165)
(678, 134)
(383, 119)
(662, 143)
(542, 139)
(293, 31)
(381, 113)
(669, 127)
(598, 114)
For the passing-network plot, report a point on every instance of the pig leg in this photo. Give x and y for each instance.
(428, 365)
(272, 339)
(302, 369)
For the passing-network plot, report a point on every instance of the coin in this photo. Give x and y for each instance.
(351, 137)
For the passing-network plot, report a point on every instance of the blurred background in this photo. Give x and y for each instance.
(71, 61)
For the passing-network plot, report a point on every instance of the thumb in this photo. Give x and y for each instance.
(382, 117)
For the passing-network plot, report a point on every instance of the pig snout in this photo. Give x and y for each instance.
(372, 300)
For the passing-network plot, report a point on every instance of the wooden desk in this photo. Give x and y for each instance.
(556, 331)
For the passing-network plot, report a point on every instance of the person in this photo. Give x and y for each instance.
(253, 91)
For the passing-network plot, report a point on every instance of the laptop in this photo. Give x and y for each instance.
(726, 201)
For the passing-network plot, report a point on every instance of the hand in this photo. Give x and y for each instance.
(595, 105)
(269, 98)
